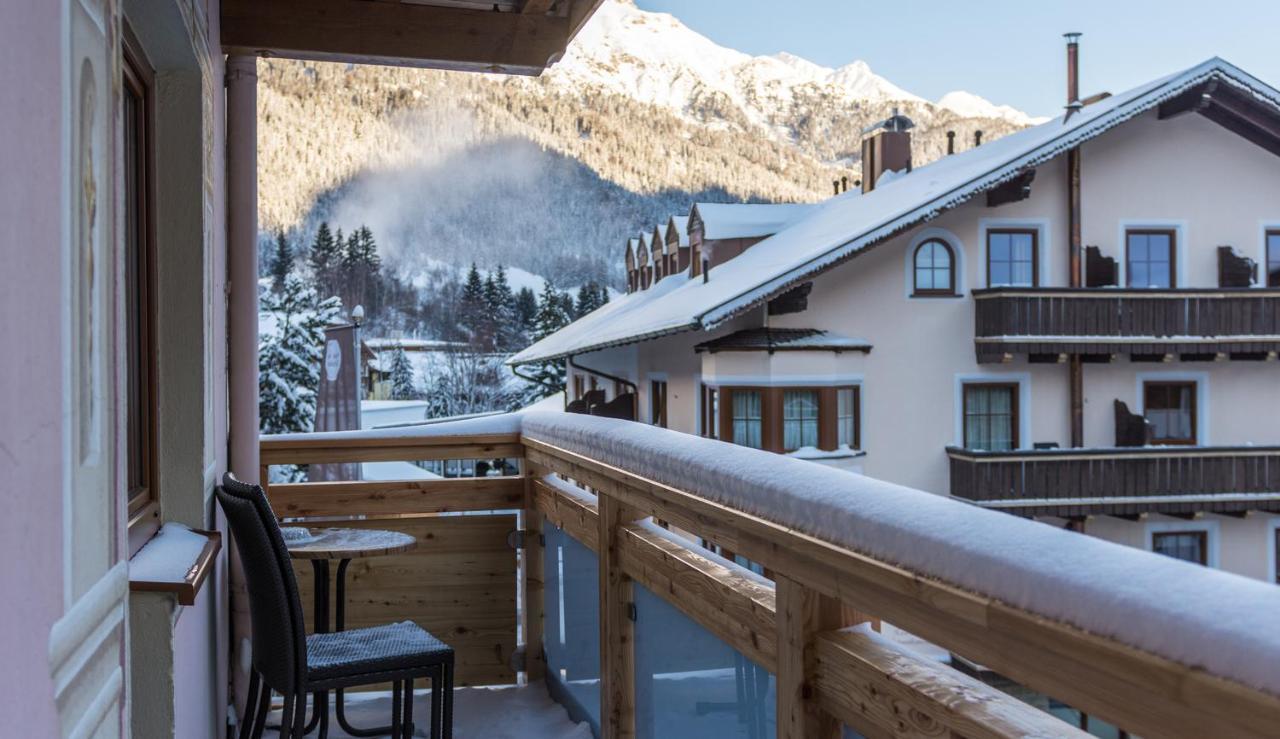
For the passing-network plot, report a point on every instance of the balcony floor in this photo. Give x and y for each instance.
(524, 712)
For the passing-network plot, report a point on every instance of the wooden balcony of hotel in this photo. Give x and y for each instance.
(1212, 323)
(586, 569)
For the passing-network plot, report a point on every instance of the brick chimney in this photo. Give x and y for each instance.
(887, 147)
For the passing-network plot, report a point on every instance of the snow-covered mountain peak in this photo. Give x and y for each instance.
(970, 105)
(656, 59)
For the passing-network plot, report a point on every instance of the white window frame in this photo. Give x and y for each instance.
(1021, 379)
(1212, 538)
(1044, 250)
(650, 378)
(957, 265)
(1201, 379)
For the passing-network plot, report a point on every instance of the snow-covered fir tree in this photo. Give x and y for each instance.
(281, 263)
(403, 386)
(290, 347)
(326, 255)
(553, 314)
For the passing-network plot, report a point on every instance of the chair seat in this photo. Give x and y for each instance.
(380, 649)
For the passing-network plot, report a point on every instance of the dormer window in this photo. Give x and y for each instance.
(934, 269)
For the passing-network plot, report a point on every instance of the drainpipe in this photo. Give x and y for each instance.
(242, 263)
(1075, 268)
(242, 324)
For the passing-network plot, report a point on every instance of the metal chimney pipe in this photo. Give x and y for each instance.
(844, 183)
(977, 138)
(951, 143)
(1073, 72)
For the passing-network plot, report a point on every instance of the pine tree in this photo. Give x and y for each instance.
(500, 330)
(590, 297)
(525, 313)
(472, 305)
(552, 315)
(281, 263)
(326, 254)
(289, 356)
(403, 386)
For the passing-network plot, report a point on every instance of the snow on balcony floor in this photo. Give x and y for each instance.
(509, 712)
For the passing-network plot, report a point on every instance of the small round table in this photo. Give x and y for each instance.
(320, 546)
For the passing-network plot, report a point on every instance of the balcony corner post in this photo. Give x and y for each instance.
(617, 630)
(531, 561)
(802, 613)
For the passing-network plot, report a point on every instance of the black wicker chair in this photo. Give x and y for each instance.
(293, 664)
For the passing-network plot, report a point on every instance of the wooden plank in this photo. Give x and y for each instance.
(725, 601)
(459, 584)
(802, 614)
(879, 688)
(377, 498)
(405, 34)
(575, 515)
(388, 453)
(531, 569)
(1139, 691)
(617, 633)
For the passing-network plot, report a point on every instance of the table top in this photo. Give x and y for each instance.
(338, 543)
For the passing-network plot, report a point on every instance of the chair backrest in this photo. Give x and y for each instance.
(279, 632)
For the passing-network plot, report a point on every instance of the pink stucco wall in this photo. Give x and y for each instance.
(31, 476)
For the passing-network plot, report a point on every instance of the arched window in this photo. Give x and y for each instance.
(934, 265)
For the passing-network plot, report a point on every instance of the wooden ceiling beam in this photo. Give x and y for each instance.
(400, 34)
(537, 7)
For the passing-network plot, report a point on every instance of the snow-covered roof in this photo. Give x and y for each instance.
(631, 251)
(680, 224)
(747, 220)
(840, 227)
(643, 247)
(659, 240)
(783, 339)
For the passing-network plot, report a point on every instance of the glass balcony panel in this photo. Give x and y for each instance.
(691, 685)
(571, 626)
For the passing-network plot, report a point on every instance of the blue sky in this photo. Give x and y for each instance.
(1009, 52)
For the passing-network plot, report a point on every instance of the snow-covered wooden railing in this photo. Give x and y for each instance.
(1153, 645)
(468, 558)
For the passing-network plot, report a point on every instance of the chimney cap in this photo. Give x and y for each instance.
(1072, 36)
(895, 122)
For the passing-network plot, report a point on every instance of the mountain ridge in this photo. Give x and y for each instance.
(641, 116)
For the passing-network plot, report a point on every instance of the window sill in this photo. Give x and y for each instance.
(937, 295)
(176, 560)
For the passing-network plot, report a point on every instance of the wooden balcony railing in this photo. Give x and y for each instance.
(1120, 481)
(462, 584)
(1234, 321)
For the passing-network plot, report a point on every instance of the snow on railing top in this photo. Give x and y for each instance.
(1194, 615)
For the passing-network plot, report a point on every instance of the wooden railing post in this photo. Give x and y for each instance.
(802, 614)
(617, 638)
(531, 562)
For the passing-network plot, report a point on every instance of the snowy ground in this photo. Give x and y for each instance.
(524, 712)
